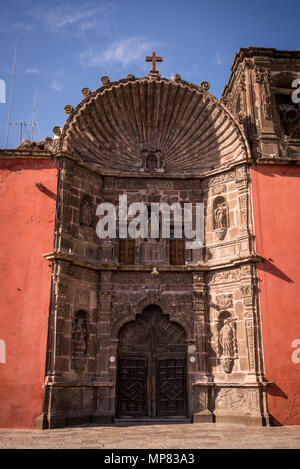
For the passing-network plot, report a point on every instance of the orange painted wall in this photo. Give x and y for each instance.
(276, 205)
(26, 233)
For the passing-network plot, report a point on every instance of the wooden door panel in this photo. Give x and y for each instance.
(132, 389)
(171, 398)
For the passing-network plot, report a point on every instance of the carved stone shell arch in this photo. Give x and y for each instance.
(192, 129)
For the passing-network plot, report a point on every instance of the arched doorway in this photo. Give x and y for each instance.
(152, 367)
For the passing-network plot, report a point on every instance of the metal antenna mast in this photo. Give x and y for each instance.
(34, 124)
(10, 94)
(21, 124)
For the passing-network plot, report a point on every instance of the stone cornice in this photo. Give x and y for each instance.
(155, 175)
(57, 256)
(26, 154)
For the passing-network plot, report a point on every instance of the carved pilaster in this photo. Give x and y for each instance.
(103, 327)
(200, 326)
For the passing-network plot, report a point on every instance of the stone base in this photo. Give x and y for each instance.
(203, 417)
(104, 418)
(48, 421)
(251, 420)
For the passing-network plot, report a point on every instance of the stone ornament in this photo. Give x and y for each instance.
(205, 85)
(86, 92)
(68, 109)
(57, 131)
(152, 160)
(176, 77)
(105, 80)
(225, 301)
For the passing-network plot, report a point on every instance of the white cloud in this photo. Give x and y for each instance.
(35, 71)
(56, 85)
(218, 59)
(124, 52)
(59, 17)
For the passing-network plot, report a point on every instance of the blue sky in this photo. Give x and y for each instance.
(64, 46)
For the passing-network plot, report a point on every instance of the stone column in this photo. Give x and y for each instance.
(201, 386)
(200, 325)
(104, 412)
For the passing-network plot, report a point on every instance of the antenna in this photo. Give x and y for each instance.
(21, 124)
(34, 123)
(10, 94)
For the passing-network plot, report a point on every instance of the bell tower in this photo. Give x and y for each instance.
(262, 94)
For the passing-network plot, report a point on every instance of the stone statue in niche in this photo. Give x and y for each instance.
(227, 345)
(226, 339)
(86, 212)
(79, 342)
(152, 160)
(220, 217)
(86, 217)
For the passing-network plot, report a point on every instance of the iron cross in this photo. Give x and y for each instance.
(153, 58)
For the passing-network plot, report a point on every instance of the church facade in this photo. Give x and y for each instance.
(148, 329)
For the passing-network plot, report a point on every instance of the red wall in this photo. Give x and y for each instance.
(26, 233)
(276, 206)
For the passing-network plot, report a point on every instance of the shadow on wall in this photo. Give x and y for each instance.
(276, 391)
(46, 191)
(267, 266)
(277, 170)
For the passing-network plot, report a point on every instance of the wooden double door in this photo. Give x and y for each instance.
(152, 368)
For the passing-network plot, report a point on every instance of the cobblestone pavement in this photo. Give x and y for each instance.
(168, 436)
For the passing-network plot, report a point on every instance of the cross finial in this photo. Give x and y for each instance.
(153, 58)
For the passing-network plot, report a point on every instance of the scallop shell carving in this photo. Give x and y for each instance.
(189, 126)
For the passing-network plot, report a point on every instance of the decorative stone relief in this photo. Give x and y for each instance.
(231, 398)
(79, 342)
(250, 343)
(152, 160)
(82, 299)
(241, 174)
(220, 179)
(225, 301)
(266, 99)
